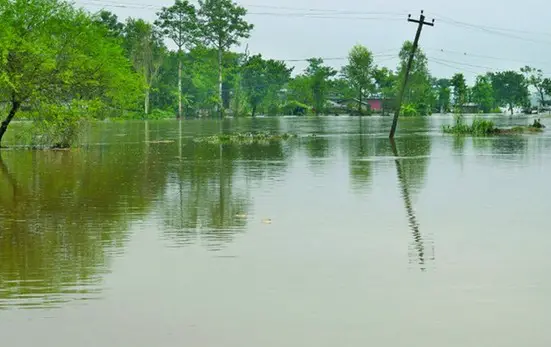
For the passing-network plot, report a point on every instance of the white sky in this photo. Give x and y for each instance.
(288, 30)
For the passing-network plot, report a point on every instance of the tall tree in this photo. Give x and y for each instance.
(222, 25)
(385, 79)
(535, 78)
(54, 54)
(318, 77)
(260, 77)
(111, 22)
(483, 93)
(418, 93)
(443, 92)
(179, 23)
(459, 91)
(510, 88)
(360, 71)
(146, 51)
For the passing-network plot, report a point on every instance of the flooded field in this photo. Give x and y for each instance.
(146, 238)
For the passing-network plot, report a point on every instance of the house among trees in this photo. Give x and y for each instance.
(369, 105)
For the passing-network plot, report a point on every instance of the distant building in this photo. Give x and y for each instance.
(470, 107)
(374, 104)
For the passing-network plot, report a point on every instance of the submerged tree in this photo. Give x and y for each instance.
(483, 93)
(260, 77)
(510, 88)
(418, 93)
(385, 80)
(146, 51)
(222, 25)
(360, 71)
(535, 78)
(318, 79)
(459, 90)
(443, 91)
(53, 55)
(179, 23)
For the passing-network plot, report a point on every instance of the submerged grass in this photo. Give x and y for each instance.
(245, 138)
(479, 127)
(483, 127)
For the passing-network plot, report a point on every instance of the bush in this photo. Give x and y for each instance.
(479, 127)
(295, 108)
(157, 114)
(537, 124)
(409, 110)
(58, 126)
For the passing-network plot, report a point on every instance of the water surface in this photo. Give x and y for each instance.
(145, 238)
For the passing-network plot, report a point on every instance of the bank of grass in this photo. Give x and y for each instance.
(484, 127)
(245, 138)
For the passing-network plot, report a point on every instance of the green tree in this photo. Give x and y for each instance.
(146, 51)
(57, 58)
(534, 78)
(111, 22)
(443, 91)
(385, 80)
(546, 85)
(459, 91)
(222, 25)
(418, 91)
(341, 89)
(510, 88)
(318, 77)
(299, 90)
(179, 23)
(360, 71)
(483, 93)
(260, 77)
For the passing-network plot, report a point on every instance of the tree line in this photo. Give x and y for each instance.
(61, 65)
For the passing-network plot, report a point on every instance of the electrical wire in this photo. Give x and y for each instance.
(471, 55)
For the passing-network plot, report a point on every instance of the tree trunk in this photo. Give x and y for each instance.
(360, 103)
(146, 102)
(511, 108)
(254, 111)
(542, 100)
(221, 105)
(180, 85)
(14, 108)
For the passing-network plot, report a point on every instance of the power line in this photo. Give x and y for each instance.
(495, 31)
(308, 14)
(324, 10)
(486, 27)
(471, 55)
(460, 63)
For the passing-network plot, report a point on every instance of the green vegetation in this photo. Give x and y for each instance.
(245, 138)
(62, 67)
(479, 127)
(359, 72)
(459, 91)
(60, 63)
(419, 93)
(179, 23)
(483, 127)
(510, 88)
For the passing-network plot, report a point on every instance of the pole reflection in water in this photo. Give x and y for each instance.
(419, 244)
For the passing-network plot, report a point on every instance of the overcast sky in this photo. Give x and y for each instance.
(508, 34)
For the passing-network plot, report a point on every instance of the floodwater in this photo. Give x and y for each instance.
(145, 238)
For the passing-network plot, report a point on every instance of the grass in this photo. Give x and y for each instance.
(483, 127)
(479, 127)
(245, 138)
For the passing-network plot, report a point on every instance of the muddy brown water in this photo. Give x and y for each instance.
(145, 238)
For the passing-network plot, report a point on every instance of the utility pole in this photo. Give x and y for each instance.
(421, 22)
